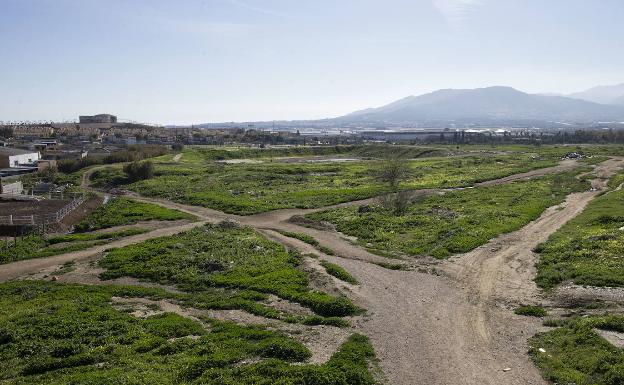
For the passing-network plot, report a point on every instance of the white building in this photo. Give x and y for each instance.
(14, 157)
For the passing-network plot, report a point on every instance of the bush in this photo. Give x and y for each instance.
(339, 272)
(137, 171)
(287, 350)
(171, 325)
(532, 311)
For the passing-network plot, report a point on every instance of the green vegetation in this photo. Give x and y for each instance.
(455, 222)
(253, 188)
(137, 171)
(69, 334)
(130, 154)
(338, 272)
(300, 236)
(576, 354)
(309, 240)
(531, 311)
(124, 211)
(326, 250)
(364, 151)
(223, 256)
(589, 249)
(83, 237)
(37, 246)
(391, 266)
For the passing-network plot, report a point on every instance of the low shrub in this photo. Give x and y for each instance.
(339, 272)
(532, 311)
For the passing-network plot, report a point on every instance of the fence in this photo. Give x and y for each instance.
(43, 219)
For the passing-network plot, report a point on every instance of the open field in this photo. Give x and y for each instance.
(61, 334)
(254, 188)
(122, 211)
(197, 292)
(453, 222)
(38, 246)
(223, 256)
(587, 250)
(575, 353)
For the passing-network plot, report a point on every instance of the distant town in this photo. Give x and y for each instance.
(27, 147)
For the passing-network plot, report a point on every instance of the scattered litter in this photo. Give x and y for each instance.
(542, 350)
(506, 369)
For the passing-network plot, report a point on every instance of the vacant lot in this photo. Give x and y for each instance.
(224, 256)
(455, 222)
(576, 354)
(589, 249)
(68, 334)
(253, 188)
(124, 211)
(39, 246)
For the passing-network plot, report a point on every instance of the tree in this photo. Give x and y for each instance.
(137, 171)
(392, 171)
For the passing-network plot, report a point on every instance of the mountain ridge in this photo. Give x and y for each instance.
(497, 103)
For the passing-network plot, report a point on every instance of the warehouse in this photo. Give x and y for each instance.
(15, 157)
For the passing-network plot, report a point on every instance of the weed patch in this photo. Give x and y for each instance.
(254, 188)
(455, 222)
(588, 249)
(64, 334)
(223, 257)
(532, 311)
(124, 211)
(37, 246)
(576, 354)
(339, 272)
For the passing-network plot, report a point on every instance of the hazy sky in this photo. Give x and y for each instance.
(187, 61)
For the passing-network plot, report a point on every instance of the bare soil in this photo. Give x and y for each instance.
(454, 327)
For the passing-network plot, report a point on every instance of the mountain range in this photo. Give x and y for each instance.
(490, 106)
(602, 94)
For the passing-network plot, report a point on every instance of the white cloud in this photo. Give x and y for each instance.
(455, 12)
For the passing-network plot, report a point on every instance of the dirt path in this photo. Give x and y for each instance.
(20, 268)
(459, 328)
(456, 328)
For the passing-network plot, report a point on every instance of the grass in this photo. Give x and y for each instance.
(338, 272)
(124, 211)
(456, 222)
(223, 256)
(588, 249)
(68, 334)
(576, 354)
(37, 246)
(254, 188)
(391, 266)
(309, 240)
(531, 311)
(300, 236)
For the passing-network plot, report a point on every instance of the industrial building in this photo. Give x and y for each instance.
(15, 157)
(100, 118)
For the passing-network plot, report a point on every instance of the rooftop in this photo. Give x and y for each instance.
(9, 151)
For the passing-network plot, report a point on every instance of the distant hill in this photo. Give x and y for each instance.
(494, 105)
(602, 94)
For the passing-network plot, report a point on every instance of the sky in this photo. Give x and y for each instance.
(194, 61)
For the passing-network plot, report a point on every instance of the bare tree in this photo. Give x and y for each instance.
(392, 171)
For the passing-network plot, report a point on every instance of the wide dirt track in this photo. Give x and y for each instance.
(453, 324)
